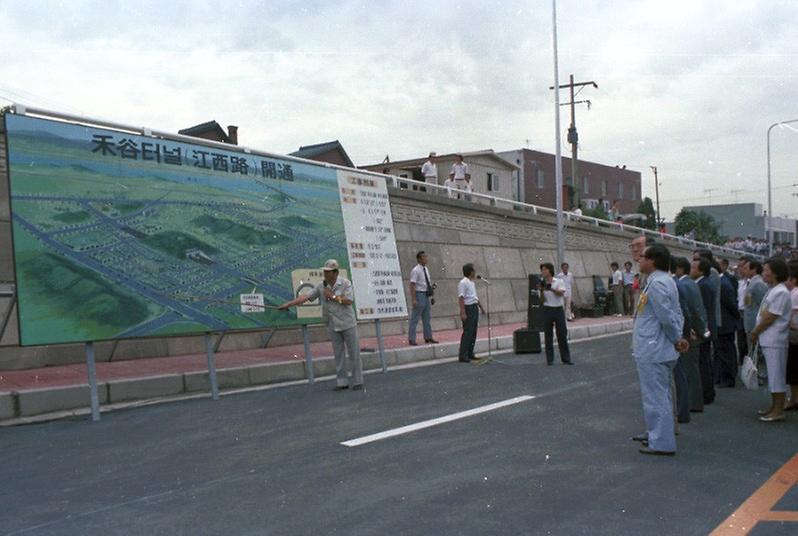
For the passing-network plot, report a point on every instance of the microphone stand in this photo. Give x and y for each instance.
(487, 290)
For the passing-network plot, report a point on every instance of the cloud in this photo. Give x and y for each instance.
(680, 83)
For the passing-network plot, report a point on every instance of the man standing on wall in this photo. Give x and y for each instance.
(421, 292)
(336, 296)
(568, 278)
(459, 173)
(429, 171)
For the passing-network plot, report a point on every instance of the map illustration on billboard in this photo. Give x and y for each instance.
(118, 235)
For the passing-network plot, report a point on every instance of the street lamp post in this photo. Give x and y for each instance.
(768, 221)
(558, 155)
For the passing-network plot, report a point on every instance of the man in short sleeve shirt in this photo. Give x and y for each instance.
(337, 297)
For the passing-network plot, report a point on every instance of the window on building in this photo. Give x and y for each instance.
(541, 178)
(603, 188)
(634, 192)
(585, 185)
(620, 190)
(493, 182)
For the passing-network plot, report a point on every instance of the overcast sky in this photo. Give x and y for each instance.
(688, 86)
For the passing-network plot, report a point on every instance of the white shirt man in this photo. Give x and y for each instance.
(568, 279)
(421, 298)
(469, 313)
(467, 290)
(430, 170)
(459, 171)
(451, 188)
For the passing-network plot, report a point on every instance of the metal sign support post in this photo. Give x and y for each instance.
(308, 356)
(487, 291)
(381, 345)
(211, 367)
(92, 371)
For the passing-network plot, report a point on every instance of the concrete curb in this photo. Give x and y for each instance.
(21, 406)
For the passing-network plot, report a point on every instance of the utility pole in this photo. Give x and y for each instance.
(709, 191)
(656, 191)
(573, 136)
(735, 193)
(557, 158)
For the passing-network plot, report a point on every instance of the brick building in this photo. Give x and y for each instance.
(597, 182)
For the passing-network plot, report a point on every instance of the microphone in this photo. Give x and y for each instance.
(483, 280)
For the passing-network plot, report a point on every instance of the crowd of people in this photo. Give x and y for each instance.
(695, 321)
(760, 247)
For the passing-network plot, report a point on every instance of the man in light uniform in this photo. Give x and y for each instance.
(429, 171)
(336, 296)
(656, 343)
(459, 173)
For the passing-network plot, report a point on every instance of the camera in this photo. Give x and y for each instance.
(431, 291)
(545, 286)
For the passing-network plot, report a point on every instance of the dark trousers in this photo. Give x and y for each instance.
(725, 360)
(689, 362)
(705, 368)
(682, 391)
(742, 346)
(469, 336)
(554, 318)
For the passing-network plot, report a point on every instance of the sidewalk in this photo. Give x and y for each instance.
(25, 393)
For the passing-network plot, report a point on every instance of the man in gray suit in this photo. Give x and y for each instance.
(695, 329)
(754, 294)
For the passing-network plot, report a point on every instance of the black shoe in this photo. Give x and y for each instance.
(358, 387)
(430, 341)
(649, 450)
(340, 387)
(567, 362)
(464, 360)
(549, 363)
(696, 411)
(640, 437)
(683, 421)
(412, 343)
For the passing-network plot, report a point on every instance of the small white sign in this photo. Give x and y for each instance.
(252, 303)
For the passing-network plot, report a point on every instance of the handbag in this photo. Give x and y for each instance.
(749, 372)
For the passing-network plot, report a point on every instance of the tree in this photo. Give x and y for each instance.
(703, 225)
(646, 208)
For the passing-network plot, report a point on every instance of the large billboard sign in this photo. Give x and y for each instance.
(118, 235)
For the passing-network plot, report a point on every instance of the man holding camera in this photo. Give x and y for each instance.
(552, 294)
(421, 292)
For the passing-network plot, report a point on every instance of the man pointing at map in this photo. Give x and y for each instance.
(336, 296)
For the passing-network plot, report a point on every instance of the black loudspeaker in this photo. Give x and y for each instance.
(526, 341)
(534, 312)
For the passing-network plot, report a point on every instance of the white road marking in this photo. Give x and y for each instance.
(476, 411)
(434, 422)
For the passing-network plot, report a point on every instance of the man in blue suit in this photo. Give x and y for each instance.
(695, 328)
(700, 273)
(656, 343)
(726, 362)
